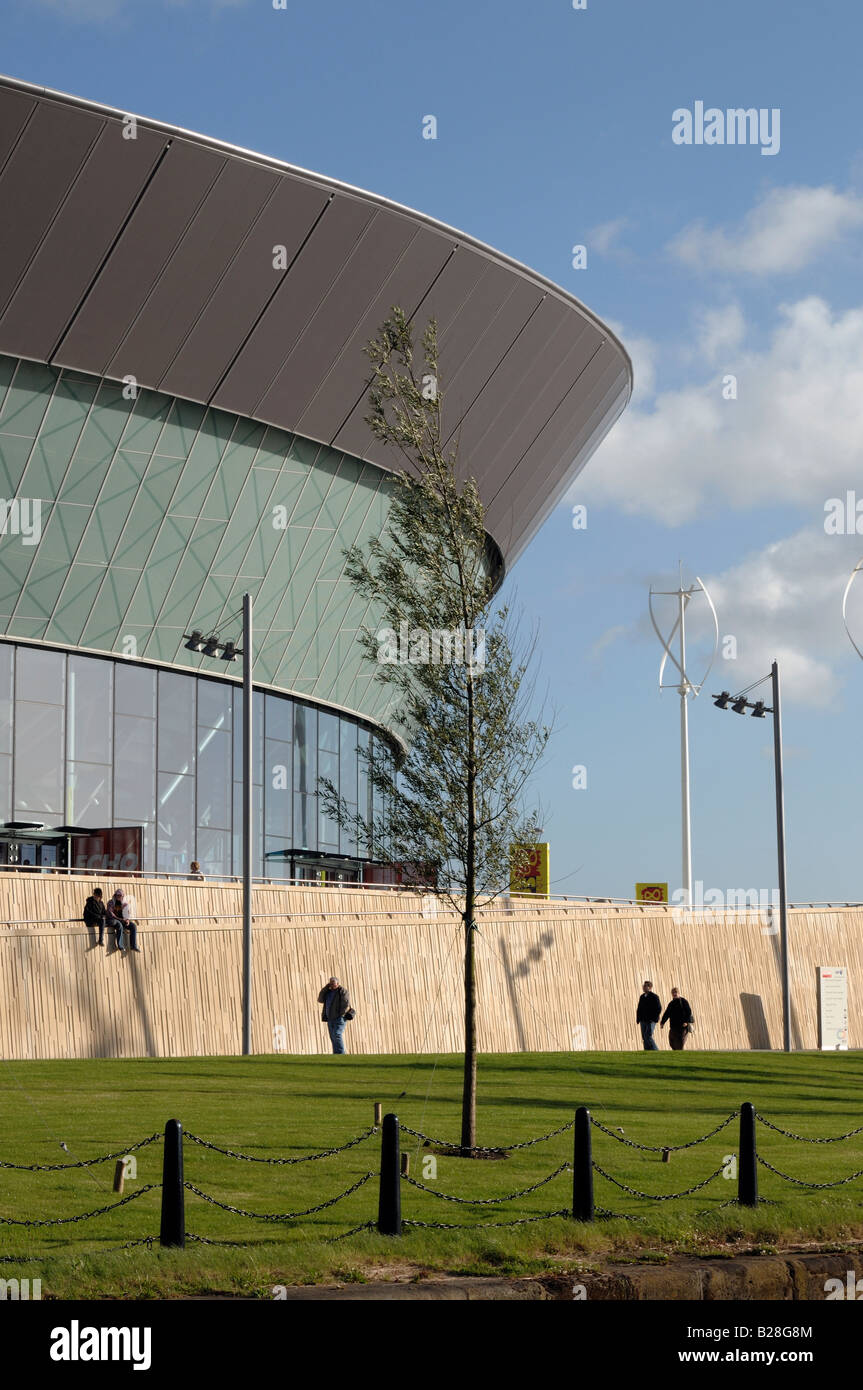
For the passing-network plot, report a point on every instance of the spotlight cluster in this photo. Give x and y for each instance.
(211, 646)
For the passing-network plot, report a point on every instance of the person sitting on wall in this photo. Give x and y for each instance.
(95, 912)
(114, 921)
(124, 911)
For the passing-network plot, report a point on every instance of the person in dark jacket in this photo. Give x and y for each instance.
(679, 1018)
(647, 1015)
(94, 914)
(337, 1005)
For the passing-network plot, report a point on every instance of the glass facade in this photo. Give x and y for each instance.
(97, 743)
(156, 514)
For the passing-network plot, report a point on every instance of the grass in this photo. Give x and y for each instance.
(273, 1106)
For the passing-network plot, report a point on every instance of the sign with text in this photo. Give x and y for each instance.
(651, 892)
(833, 1008)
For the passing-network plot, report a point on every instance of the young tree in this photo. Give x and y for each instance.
(451, 799)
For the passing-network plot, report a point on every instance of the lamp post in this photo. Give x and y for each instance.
(247, 824)
(740, 704)
(228, 651)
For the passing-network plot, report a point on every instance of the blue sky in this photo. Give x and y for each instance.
(555, 128)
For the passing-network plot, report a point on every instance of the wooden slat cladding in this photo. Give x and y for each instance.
(552, 976)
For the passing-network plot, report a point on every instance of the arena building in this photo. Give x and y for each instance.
(182, 402)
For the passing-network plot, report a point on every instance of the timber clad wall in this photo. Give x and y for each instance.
(552, 976)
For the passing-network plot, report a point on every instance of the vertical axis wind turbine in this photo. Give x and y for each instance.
(685, 688)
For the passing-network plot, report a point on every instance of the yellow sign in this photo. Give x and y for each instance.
(651, 892)
(530, 872)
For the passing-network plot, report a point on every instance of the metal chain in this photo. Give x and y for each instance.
(366, 1226)
(615, 1215)
(305, 1158)
(732, 1202)
(205, 1240)
(485, 1225)
(488, 1201)
(127, 1245)
(833, 1139)
(489, 1149)
(277, 1216)
(526, 1143)
(84, 1163)
(659, 1197)
(658, 1148)
(800, 1183)
(85, 1216)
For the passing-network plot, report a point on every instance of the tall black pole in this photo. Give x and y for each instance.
(247, 824)
(390, 1196)
(747, 1171)
(780, 847)
(173, 1228)
(582, 1168)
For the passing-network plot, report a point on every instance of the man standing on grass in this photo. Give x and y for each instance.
(679, 1016)
(647, 1015)
(337, 1008)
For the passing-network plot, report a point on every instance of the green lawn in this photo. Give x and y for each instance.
(272, 1106)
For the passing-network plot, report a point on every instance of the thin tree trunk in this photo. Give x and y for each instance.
(468, 1107)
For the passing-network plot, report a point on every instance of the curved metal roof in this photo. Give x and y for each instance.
(153, 257)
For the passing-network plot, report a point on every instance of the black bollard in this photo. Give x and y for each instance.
(582, 1168)
(747, 1172)
(390, 1199)
(173, 1229)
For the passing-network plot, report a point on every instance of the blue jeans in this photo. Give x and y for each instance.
(647, 1036)
(132, 928)
(337, 1034)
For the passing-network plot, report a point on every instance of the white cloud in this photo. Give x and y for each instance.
(607, 639)
(719, 332)
(795, 431)
(644, 353)
(784, 602)
(783, 233)
(604, 237)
